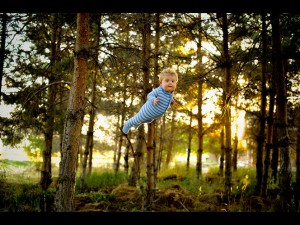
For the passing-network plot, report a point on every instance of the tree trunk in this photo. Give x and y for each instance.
(222, 155)
(297, 185)
(156, 83)
(227, 112)
(235, 150)
(200, 102)
(235, 138)
(89, 137)
(118, 155)
(150, 165)
(88, 151)
(138, 153)
(138, 156)
(222, 139)
(263, 107)
(65, 189)
(146, 49)
(123, 110)
(188, 151)
(285, 174)
(2, 49)
(46, 174)
(271, 142)
(275, 155)
(126, 158)
(116, 139)
(261, 134)
(161, 142)
(94, 91)
(171, 140)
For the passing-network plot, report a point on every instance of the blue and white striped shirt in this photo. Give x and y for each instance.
(149, 111)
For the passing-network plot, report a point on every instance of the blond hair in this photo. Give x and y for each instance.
(168, 71)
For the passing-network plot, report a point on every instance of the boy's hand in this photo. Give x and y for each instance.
(173, 101)
(174, 104)
(155, 101)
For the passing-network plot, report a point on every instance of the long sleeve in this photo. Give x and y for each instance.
(152, 95)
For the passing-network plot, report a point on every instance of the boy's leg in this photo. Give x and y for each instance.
(136, 126)
(139, 124)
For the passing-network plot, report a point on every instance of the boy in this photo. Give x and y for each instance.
(158, 101)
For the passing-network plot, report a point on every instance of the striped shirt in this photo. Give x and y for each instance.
(149, 111)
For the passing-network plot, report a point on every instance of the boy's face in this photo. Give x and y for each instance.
(169, 83)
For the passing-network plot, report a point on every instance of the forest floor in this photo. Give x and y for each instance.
(125, 198)
(171, 199)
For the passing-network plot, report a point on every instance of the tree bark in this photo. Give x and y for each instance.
(138, 157)
(88, 151)
(65, 189)
(235, 149)
(46, 174)
(156, 83)
(123, 109)
(188, 152)
(171, 140)
(285, 174)
(262, 135)
(227, 109)
(161, 141)
(297, 185)
(146, 48)
(200, 102)
(2, 49)
(222, 139)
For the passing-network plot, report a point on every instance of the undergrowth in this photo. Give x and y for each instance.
(27, 196)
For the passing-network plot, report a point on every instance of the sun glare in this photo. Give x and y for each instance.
(103, 129)
(17, 154)
(238, 125)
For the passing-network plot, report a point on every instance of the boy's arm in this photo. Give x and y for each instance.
(152, 96)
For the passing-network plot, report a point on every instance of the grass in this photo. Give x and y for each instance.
(102, 179)
(7, 162)
(21, 192)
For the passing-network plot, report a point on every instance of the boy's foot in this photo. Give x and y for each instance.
(125, 131)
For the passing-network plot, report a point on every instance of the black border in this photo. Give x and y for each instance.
(164, 6)
(127, 6)
(154, 218)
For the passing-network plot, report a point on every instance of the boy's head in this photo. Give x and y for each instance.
(167, 71)
(168, 79)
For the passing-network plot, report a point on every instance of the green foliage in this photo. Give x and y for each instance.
(99, 196)
(2, 182)
(185, 178)
(20, 198)
(104, 179)
(35, 147)
(243, 181)
(27, 197)
(179, 170)
(244, 178)
(11, 166)
(24, 195)
(8, 135)
(7, 162)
